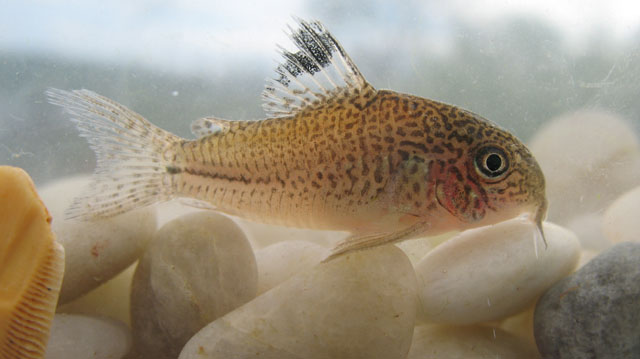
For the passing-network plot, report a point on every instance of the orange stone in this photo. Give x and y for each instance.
(31, 268)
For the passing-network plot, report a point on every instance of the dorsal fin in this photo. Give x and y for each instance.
(209, 125)
(320, 69)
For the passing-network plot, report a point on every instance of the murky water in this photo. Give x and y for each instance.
(567, 86)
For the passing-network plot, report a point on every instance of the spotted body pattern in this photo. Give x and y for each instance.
(334, 153)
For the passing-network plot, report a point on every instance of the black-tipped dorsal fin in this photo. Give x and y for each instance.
(319, 70)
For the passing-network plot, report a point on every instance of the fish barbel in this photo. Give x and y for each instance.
(332, 153)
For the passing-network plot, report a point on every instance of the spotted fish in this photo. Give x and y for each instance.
(332, 153)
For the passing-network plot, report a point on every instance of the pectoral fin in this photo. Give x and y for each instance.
(196, 203)
(355, 243)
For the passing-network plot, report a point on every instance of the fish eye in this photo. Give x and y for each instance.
(491, 162)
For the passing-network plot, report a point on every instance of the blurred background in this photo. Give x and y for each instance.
(518, 64)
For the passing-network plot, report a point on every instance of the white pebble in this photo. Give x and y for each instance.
(492, 272)
(415, 249)
(621, 221)
(262, 235)
(111, 299)
(95, 251)
(78, 336)
(197, 268)
(170, 210)
(589, 158)
(360, 305)
(280, 261)
(439, 342)
(589, 229)
(521, 325)
(586, 256)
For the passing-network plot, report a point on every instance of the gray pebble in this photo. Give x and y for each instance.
(594, 313)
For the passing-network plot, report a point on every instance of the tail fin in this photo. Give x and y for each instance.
(133, 156)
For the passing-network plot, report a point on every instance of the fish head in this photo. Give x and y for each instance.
(493, 178)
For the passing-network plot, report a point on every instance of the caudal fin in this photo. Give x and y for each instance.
(133, 156)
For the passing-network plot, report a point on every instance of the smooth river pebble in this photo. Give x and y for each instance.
(262, 235)
(492, 272)
(521, 324)
(589, 229)
(621, 223)
(111, 299)
(95, 251)
(360, 305)
(595, 313)
(197, 268)
(83, 337)
(589, 158)
(451, 342)
(280, 261)
(417, 248)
